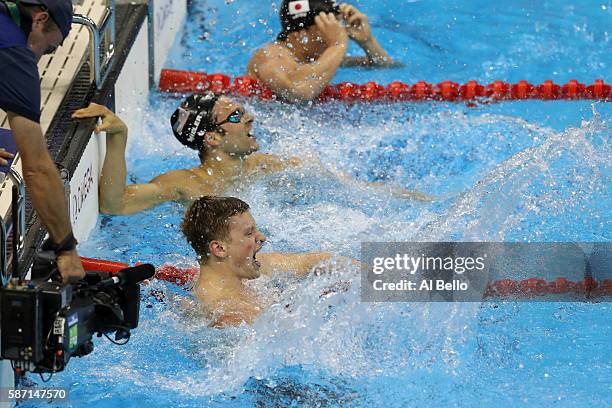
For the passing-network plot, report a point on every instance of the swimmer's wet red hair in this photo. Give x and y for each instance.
(207, 219)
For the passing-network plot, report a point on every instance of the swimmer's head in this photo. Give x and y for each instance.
(209, 121)
(296, 15)
(223, 229)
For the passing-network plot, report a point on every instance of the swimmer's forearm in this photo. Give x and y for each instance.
(376, 54)
(395, 191)
(310, 81)
(114, 171)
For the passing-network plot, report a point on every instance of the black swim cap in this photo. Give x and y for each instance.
(296, 15)
(193, 119)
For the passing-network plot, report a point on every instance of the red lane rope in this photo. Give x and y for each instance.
(534, 287)
(176, 81)
(531, 287)
(501, 288)
(178, 276)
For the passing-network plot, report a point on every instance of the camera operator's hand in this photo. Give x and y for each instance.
(358, 27)
(70, 266)
(331, 30)
(4, 155)
(111, 123)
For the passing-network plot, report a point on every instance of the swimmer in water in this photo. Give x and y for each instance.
(222, 133)
(312, 46)
(225, 237)
(217, 127)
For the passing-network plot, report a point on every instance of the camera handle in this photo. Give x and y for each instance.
(45, 266)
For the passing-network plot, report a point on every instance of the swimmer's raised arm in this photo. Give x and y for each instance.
(298, 264)
(115, 196)
(359, 30)
(296, 81)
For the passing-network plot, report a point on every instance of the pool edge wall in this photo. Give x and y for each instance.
(75, 147)
(125, 91)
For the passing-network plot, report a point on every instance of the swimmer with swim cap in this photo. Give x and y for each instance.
(225, 237)
(219, 129)
(312, 46)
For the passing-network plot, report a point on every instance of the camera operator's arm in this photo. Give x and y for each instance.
(46, 189)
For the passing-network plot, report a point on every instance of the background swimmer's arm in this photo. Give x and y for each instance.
(298, 82)
(377, 56)
(298, 264)
(268, 163)
(365, 62)
(303, 82)
(359, 30)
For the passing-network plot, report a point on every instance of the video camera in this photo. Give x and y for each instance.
(45, 323)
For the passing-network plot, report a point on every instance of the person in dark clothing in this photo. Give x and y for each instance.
(30, 29)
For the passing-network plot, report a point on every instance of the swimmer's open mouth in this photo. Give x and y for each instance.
(255, 261)
(251, 135)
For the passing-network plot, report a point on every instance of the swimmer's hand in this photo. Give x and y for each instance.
(335, 263)
(400, 192)
(332, 31)
(111, 124)
(390, 189)
(359, 30)
(358, 27)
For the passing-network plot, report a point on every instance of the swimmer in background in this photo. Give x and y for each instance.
(222, 133)
(312, 46)
(225, 237)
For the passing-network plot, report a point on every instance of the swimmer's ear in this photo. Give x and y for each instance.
(218, 249)
(213, 139)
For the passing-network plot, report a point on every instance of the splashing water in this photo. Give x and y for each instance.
(507, 172)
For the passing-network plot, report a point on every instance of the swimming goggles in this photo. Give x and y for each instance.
(234, 117)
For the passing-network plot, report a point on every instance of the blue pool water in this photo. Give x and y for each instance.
(528, 171)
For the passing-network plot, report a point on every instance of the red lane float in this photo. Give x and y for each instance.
(502, 288)
(533, 287)
(176, 81)
(170, 273)
(176, 275)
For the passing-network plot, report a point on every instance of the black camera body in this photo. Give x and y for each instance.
(45, 323)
